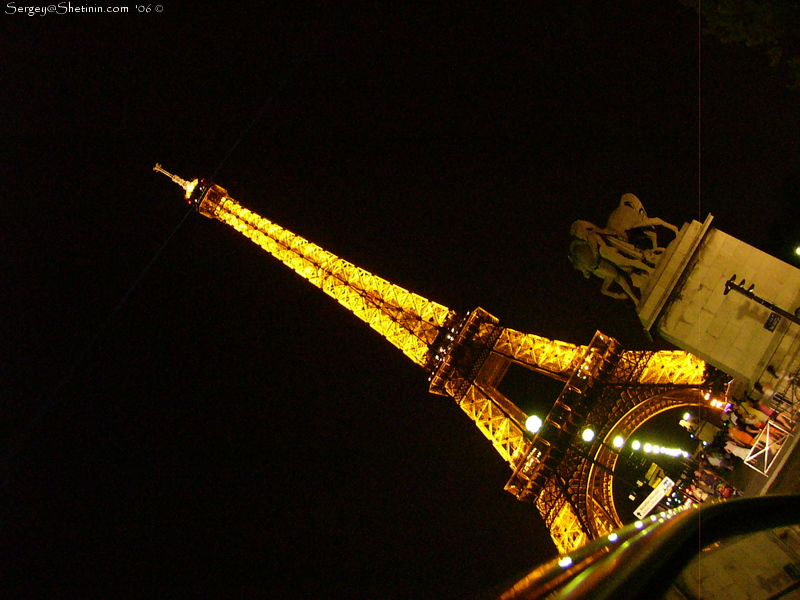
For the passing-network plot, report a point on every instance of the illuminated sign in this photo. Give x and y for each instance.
(654, 498)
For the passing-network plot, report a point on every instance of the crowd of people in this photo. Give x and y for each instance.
(742, 431)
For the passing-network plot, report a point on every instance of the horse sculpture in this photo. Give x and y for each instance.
(620, 253)
(624, 253)
(630, 216)
(581, 257)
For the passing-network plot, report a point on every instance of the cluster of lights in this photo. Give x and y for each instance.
(534, 424)
(649, 448)
(713, 402)
(444, 349)
(674, 500)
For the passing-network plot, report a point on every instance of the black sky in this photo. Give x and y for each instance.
(227, 429)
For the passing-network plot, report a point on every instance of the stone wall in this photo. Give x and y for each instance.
(686, 303)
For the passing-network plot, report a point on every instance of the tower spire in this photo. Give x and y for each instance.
(188, 186)
(409, 321)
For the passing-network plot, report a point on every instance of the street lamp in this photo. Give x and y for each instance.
(533, 424)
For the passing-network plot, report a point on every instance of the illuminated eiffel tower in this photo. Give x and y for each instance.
(466, 355)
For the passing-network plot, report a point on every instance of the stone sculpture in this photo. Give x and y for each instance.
(624, 253)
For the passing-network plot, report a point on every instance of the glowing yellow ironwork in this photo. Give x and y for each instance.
(551, 357)
(601, 518)
(565, 528)
(485, 408)
(558, 359)
(673, 367)
(410, 322)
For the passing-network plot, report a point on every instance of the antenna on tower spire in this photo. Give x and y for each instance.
(186, 185)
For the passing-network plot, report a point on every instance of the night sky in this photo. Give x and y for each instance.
(182, 415)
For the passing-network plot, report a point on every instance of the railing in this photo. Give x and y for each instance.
(641, 561)
(767, 447)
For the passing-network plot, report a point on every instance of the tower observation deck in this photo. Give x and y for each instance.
(466, 355)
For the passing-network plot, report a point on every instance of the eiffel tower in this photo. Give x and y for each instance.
(466, 355)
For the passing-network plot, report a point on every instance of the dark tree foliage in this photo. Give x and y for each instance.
(772, 26)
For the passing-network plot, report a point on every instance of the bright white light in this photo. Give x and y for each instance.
(612, 537)
(564, 562)
(707, 396)
(587, 435)
(619, 441)
(648, 447)
(687, 416)
(533, 424)
(636, 445)
(656, 449)
(638, 524)
(797, 250)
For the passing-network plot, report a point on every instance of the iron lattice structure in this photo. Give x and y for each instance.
(466, 356)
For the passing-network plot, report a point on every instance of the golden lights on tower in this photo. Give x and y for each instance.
(466, 355)
(409, 321)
